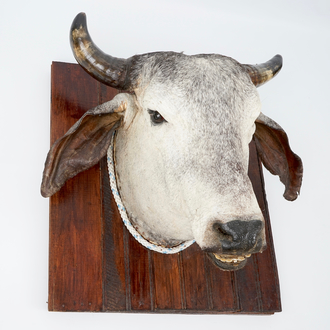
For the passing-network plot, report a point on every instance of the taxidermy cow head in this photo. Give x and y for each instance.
(182, 146)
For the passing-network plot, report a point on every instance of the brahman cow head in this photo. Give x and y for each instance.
(182, 146)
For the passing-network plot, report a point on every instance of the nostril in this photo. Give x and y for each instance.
(238, 235)
(222, 233)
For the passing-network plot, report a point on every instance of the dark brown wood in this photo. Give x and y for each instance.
(139, 275)
(223, 289)
(168, 290)
(194, 279)
(265, 263)
(113, 249)
(96, 265)
(75, 266)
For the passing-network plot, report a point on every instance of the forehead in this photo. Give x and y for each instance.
(200, 82)
(204, 70)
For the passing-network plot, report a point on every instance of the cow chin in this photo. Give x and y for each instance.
(228, 263)
(234, 261)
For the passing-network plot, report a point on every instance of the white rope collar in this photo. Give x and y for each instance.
(123, 214)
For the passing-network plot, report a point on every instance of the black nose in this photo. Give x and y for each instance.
(239, 236)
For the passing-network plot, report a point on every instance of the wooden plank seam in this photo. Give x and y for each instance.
(96, 265)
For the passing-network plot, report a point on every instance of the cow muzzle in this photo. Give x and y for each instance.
(237, 240)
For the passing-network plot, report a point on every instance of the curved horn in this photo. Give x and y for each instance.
(108, 70)
(261, 73)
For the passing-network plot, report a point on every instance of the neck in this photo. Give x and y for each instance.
(149, 245)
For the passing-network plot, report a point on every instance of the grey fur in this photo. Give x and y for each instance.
(214, 105)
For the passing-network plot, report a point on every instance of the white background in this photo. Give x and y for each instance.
(34, 33)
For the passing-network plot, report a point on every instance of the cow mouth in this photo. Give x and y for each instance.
(227, 262)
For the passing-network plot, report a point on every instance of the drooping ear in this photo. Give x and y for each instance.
(83, 145)
(275, 153)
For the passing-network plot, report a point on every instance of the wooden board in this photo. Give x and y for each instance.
(96, 265)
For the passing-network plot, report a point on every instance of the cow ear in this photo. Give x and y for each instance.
(275, 153)
(83, 145)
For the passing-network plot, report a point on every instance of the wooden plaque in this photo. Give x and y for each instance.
(96, 265)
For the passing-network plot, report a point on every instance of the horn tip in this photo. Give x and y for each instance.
(277, 61)
(79, 20)
(77, 31)
(278, 58)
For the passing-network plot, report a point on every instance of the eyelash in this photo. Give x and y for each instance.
(156, 117)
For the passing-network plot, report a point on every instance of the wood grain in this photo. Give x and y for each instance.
(96, 265)
(75, 265)
(167, 282)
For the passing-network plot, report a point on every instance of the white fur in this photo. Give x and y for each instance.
(177, 178)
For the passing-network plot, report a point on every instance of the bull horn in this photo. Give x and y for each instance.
(108, 70)
(261, 73)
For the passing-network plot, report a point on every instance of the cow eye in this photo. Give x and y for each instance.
(156, 117)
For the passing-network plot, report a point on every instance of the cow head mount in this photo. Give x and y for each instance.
(183, 127)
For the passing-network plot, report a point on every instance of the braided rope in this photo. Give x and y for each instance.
(124, 216)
